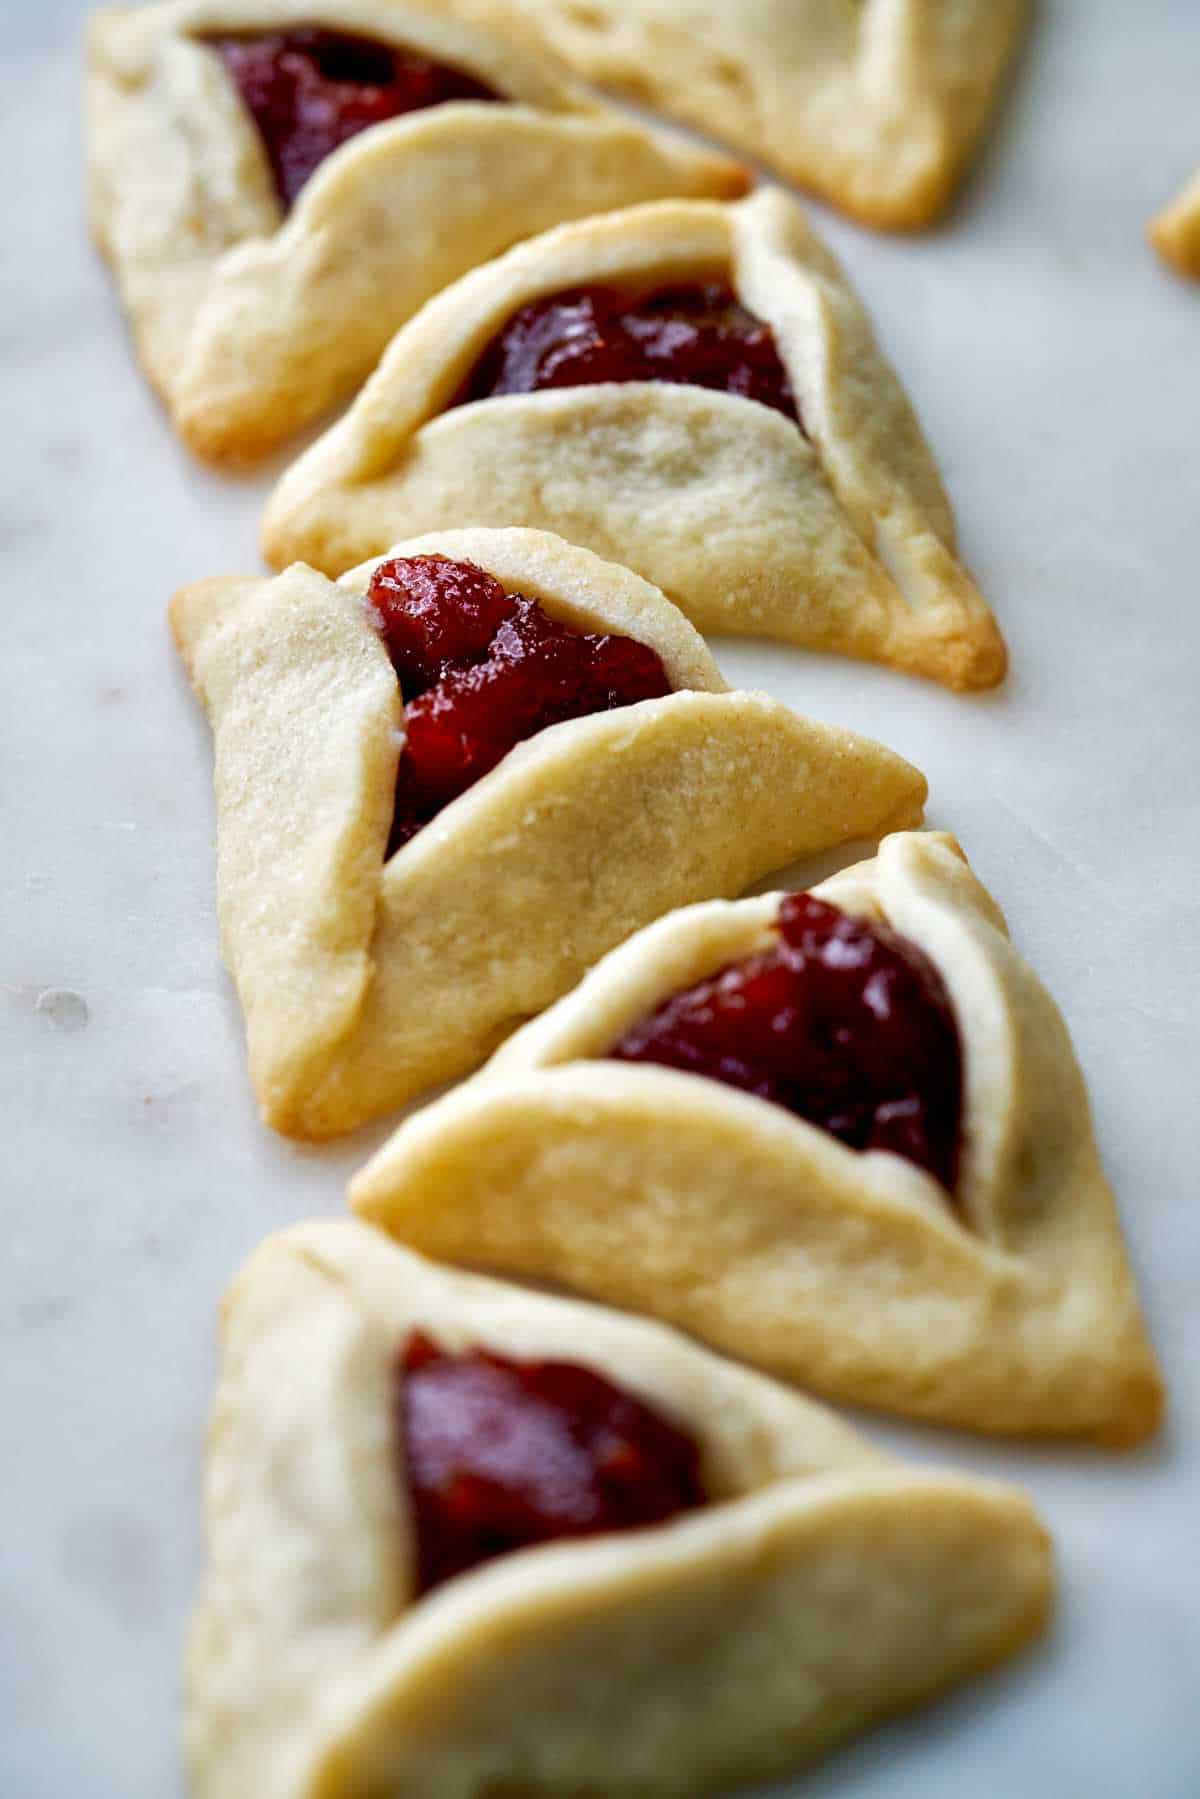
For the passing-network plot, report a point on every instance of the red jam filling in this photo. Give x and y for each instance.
(697, 336)
(309, 90)
(500, 1455)
(845, 1023)
(481, 670)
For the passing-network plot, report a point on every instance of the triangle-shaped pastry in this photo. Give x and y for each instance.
(436, 809)
(279, 186)
(842, 1135)
(464, 1540)
(1175, 231)
(876, 105)
(688, 388)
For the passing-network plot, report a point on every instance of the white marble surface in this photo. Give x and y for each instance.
(1058, 371)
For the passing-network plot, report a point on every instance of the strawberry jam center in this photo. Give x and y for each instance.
(699, 336)
(844, 1022)
(500, 1455)
(481, 670)
(310, 90)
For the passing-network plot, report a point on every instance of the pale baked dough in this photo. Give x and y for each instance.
(876, 105)
(852, 1274)
(251, 325)
(1175, 232)
(842, 540)
(363, 983)
(825, 1586)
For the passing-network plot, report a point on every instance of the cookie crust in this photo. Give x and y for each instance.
(251, 325)
(1175, 231)
(825, 1586)
(1013, 1311)
(875, 105)
(363, 982)
(843, 540)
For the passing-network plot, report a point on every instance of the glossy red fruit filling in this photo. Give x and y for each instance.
(845, 1023)
(481, 670)
(309, 90)
(697, 336)
(500, 1455)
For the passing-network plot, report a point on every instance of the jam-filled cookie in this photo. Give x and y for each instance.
(279, 186)
(876, 105)
(450, 782)
(689, 388)
(464, 1540)
(841, 1134)
(1175, 232)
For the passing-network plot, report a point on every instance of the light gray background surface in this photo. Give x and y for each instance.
(1057, 369)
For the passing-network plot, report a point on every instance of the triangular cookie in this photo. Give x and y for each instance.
(1007, 1306)
(876, 105)
(815, 1588)
(1175, 232)
(251, 319)
(837, 535)
(366, 981)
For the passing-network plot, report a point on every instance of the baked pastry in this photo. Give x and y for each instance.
(1175, 232)
(259, 297)
(876, 105)
(738, 437)
(693, 1577)
(901, 1207)
(366, 979)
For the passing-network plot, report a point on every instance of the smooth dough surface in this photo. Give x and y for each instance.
(1175, 232)
(825, 1586)
(365, 983)
(839, 540)
(1014, 1310)
(251, 324)
(876, 105)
